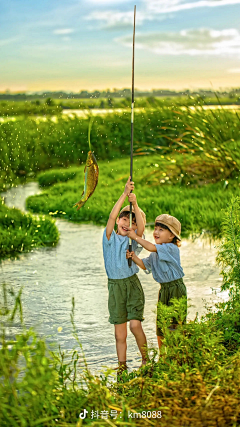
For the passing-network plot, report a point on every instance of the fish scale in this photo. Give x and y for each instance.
(91, 172)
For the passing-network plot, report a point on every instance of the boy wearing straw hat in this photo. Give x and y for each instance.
(164, 261)
(126, 297)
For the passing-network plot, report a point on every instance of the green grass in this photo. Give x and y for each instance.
(10, 108)
(22, 232)
(163, 185)
(194, 382)
(186, 163)
(26, 108)
(30, 145)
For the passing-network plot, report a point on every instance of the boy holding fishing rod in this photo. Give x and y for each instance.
(126, 298)
(163, 262)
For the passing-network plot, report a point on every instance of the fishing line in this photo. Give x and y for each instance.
(89, 132)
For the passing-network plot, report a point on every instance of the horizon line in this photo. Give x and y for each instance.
(115, 90)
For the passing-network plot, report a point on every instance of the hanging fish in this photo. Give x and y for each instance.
(91, 172)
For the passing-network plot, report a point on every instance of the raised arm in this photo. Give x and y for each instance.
(139, 219)
(144, 243)
(116, 208)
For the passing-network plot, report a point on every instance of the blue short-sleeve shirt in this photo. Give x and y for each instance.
(164, 264)
(114, 253)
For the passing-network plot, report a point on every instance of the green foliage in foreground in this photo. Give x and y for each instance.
(229, 254)
(171, 184)
(21, 232)
(194, 382)
(228, 259)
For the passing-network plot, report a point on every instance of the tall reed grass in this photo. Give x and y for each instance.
(31, 145)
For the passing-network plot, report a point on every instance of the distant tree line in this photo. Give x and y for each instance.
(115, 93)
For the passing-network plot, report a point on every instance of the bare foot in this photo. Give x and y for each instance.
(144, 362)
(122, 366)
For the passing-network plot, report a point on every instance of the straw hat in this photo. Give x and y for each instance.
(127, 209)
(171, 222)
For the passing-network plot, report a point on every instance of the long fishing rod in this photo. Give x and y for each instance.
(132, 123)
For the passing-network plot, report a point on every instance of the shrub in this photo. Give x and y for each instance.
(21, 232)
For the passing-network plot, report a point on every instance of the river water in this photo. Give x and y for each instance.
(74, 268)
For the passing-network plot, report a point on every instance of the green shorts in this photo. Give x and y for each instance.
(169, 290)
(126, 300)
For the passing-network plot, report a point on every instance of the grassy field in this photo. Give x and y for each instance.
(181, 185)
(27, 108)
(54, 106)
(186, 163)
(29, 145)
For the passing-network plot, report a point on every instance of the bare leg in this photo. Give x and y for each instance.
(137, 330)
(121, 342)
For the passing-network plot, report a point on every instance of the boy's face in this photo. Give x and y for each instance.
(161, 235)
(124, 222)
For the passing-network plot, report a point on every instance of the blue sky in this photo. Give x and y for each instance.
(87, 44)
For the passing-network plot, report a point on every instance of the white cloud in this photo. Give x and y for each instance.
(188, 42)
(149, 10)
(63, 31)
(167, 6)
(115, 19)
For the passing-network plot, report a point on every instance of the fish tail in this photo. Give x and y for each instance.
(79, 204)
